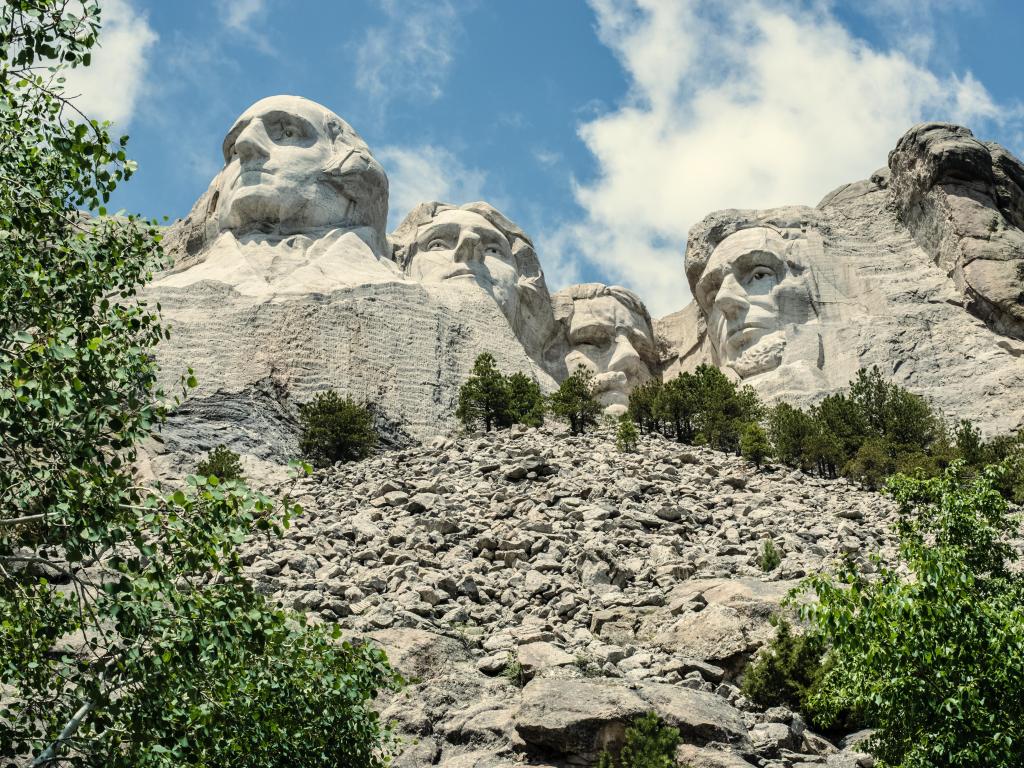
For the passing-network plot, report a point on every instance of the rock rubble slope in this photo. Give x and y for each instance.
(539, 590)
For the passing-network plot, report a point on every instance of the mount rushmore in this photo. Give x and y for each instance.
(284, 282)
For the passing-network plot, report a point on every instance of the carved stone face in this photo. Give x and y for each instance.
(292, 165)
(750, 291)
(613, 341)
(462, 245)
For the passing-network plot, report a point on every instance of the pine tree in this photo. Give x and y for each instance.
(484, 397)
(575, 402)
(526, 403)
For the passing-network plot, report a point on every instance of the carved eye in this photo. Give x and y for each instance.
(438, 244)
(494, 250)
(760, 273)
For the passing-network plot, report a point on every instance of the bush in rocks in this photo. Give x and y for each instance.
(335, 428)
(649, 743)
(575, 402)
(787, 671)
(222, 463)
(931, 648)
(626, 435)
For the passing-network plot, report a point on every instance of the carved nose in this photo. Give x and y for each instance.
(731, 299)
(468, 247)
(625, 357)
(253, 143)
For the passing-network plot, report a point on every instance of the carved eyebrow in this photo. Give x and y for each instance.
(229, 140)
(758, 258)
(442, 229)
(287, 117)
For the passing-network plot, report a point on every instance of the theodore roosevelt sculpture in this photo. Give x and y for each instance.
(609, 331)
(299, 206)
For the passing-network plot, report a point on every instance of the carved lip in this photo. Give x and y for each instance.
(250, 176)
(459, 272)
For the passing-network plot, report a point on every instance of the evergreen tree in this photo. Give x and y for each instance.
(335, 428)
(525, 401)
(484, 398)
(222, 463)
(754, 444)
(676, 403)
(575, 402)
(626, 435)
(643, 405)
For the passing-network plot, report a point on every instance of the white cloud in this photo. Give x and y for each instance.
(239, 14)
(411, 54)
(110, 87)
(426, 173)
(754, 104)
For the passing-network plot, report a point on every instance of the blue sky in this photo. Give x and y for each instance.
(604, 128)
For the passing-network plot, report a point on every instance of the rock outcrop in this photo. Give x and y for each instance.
(914, 270)
(540, 590)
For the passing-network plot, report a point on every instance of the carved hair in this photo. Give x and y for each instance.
(707, 234)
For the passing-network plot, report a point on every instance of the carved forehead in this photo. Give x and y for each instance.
(316, 114)
(460, 219)
(606, 310)
(788, 225)
(738, 244)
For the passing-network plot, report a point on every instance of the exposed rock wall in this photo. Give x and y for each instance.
(405, 346)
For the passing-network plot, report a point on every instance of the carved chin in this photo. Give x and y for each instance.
(764, 356)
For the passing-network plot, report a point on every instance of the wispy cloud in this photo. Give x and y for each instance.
(425, 173)
(751, 104)
(110, 88)
(411, 54)
(243, 18)
(239, 14)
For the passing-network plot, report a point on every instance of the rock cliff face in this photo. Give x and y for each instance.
(914, 270)
(619, 583)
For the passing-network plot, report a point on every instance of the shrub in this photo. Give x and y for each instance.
(872, 464)
(513, 671)
(525, 401)
(334, 428)
(222, 463)
(484, 397)
(146, 643)
(677, 403)
(643, 405)
(770, 558)
(649, 743)
(626, 435)
(754, 445)
(787, 672)
(931, 649)
(575, 402)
